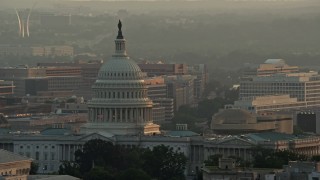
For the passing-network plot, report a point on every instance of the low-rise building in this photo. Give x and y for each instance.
(239, 121)
(14, 166)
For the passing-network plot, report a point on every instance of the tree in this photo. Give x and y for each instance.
(207, 108)
(99, 173)
(95, 152)
(133, 174)
(164, 163)
(268, 158)
(213, 160)
(34, 168)
(69, 168)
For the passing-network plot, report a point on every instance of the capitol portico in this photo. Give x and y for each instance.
(120, 105)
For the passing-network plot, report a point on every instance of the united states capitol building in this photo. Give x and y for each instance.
(121, 112)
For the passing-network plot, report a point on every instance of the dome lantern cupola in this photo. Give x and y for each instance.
(120, 43)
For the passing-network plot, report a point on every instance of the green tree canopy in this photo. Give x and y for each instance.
(164, 163)
(100, 159)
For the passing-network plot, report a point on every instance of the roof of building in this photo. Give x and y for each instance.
(274, 61)
(7, 156)
(272, 136)
(181, 133)
(234, 116)
(4, 131)
(56, 131)
(120, 68)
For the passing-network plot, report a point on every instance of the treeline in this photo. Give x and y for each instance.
(264, 158)
(102, 160)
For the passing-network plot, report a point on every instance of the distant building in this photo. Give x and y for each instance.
(227, 170)
(168, 105)
(158, 69)
(181, 89)
(34, 80)
(158, 93)
(158, 113)
(88, 72)
(156, 87)
(303, 86)
(270, 67)
(6, 88)
(297, 170)
(47, 51)
(267, 103)
(201, 80)
(239, 121)
(309, 120)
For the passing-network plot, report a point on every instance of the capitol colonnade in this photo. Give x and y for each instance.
(120, 115)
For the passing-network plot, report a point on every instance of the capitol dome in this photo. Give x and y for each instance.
(120, 105)
(119, 68)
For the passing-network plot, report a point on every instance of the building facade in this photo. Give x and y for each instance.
(303, 86)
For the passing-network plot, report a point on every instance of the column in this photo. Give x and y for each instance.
(121, 117)
(126, 114)
(105, 115)
(116, 114)
(93, 115)
(110, 115)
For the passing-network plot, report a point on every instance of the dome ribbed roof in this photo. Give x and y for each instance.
(119, 68)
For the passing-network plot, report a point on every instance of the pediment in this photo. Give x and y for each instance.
(98, 135)
(236, 142)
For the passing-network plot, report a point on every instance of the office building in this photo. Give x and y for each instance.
(267, 103)
(181, 89)
(270, 67)
(201, 80)
(160, 68)
(303, 86)
(47, 51)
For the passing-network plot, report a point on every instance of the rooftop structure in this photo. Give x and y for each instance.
(271, 66)
(260, 104)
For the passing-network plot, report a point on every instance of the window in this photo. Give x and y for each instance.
(37, 155)
(52, 156)
(45, 155)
